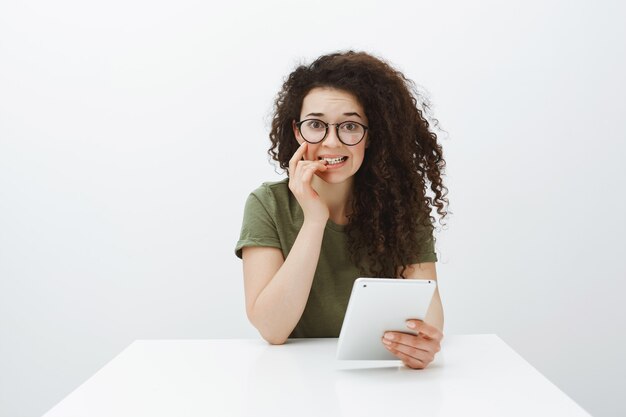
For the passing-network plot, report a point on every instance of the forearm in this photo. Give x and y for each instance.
(280, 304)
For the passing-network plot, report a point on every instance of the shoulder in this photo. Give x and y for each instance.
(272, 194)
(275, 200)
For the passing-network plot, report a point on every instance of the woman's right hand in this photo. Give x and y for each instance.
(300, 177)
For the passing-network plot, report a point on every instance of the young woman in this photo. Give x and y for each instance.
(353, 138)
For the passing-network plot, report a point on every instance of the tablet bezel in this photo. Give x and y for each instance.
(377, 305)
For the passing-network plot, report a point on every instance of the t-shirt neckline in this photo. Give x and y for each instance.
(336, 227)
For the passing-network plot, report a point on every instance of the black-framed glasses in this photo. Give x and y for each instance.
(315, 130)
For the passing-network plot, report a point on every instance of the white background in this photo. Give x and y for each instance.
(131, 133)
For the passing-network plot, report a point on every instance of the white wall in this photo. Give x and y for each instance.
(131, 133)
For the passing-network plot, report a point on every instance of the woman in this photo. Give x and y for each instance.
(360, 157)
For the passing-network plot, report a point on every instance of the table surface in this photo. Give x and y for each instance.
(472, 375)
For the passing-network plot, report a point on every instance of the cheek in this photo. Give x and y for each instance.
(358, 156)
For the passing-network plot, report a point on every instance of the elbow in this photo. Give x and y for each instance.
(269, 336)
(272, 338)
(275, 340)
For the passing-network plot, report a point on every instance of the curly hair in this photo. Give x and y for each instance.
(391, 210)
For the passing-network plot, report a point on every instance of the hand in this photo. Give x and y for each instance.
(415, 351)
(300, 177)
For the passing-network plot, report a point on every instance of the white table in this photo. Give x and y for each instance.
(472, 375)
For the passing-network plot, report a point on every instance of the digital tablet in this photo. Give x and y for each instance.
(378, 305)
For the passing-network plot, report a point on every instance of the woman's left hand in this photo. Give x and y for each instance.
(415, 351)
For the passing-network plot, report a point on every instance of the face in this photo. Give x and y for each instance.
(334, 106)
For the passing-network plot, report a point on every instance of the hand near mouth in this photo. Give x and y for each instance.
(301, 173)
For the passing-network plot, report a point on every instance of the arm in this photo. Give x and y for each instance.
(277, 290)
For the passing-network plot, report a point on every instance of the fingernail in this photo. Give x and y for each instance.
(411, 324)
(388, 336)
(387, 342)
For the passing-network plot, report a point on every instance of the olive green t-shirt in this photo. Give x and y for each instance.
(273, 217)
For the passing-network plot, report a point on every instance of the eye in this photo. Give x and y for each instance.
(350, 126)
(314, 124)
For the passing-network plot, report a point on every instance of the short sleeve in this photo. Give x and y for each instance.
(258, 227)
(427, 248)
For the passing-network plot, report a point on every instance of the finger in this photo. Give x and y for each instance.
(407, 360)
(302, 167)
(300, 181)
(297, 156)
(304, 182)
(426, 329)
(309, 170)
(308, 164)
(415, 341)
(424, 355)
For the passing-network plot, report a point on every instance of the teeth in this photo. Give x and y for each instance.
(334, 160)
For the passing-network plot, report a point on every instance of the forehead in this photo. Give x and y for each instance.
(330, 101)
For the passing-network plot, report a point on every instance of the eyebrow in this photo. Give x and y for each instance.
(345, 114)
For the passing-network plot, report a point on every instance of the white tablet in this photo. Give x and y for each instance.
(378, 305)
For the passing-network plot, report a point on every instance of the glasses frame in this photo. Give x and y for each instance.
(326, 125)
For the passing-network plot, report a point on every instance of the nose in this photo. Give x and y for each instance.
(332, 140)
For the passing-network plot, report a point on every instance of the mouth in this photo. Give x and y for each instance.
(333, 161)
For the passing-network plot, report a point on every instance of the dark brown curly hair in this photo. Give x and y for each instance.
(391, 211)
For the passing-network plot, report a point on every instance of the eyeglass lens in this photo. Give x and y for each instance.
(314, 131)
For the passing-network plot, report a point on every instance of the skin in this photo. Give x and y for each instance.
(274, 300)
(329, 186)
